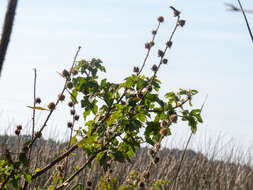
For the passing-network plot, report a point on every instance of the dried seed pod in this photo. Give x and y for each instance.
(89, 183)
(165, 61)
(152, 43)
(38, 134)
(136, 69)
(173, 118)
(154, 68)
(164, 131)
(141, 184)
(17, 132)
(149, 88)
(72, 112)
(61, 97)
(160, 19)
(74, 72)
(160, 53)
(37, 100)
(154, 32)
(51, 106)
(169, 43)
(147, 45)
(76, 117)
(164, 124)
(70, 124)
(145, 174)
(156, 160)
(69, 85)
(65, 73)
(151, 152)
(19, 127)
(175, 11)
(181, 23)
(70, 104)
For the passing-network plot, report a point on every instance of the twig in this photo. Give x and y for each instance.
(51, 164)
(7, 28)
(58, 100)
(246, 20)
(66, 183)
(183, 155)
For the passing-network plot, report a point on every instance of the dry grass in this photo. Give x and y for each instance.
(197, 172)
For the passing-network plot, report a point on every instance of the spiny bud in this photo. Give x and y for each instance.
(154, 68)
(156, 160)
(154, 32)
(136, 69)
(175, 11)
(89, 183)
(61, 97)
(160, 53)
(38, 134)
(69, 85)
(72, 112)
(165, 61)
(141, 184)
(37, 100)
(59, 168)
(145, 174)
(70, 124)
(76, 117)
(70, 104)
(147, 45)
(160, 19)
(51, 106)
(74, 72)
(152, 43)
(151, 152)
(17, 132)
(181, 23)
(169, 44)
(140, 95)
(173, 118)
(19, 127)
(149, 88)
(65, 73)
(164, 124)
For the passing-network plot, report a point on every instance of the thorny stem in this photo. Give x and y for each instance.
(7, 28)
(58, 100)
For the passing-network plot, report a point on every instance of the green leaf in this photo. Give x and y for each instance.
(28, 177)
(38, 108)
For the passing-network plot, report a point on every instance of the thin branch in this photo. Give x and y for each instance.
(7, 28)
(237, 9)
(246, 20)
(187, 144)
(58, 100)
(51, 164)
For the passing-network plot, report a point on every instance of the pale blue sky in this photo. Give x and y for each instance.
(212, 53)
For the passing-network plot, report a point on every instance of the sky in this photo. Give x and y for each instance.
(212, 53)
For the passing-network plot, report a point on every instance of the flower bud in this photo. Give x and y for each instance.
(37, 100)
(164, 131)
(51, 106)
(65, 73)
(181, 23)
(69, 85)
(160, 19)
(61, 97)
(169, 44)
(154, 68)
